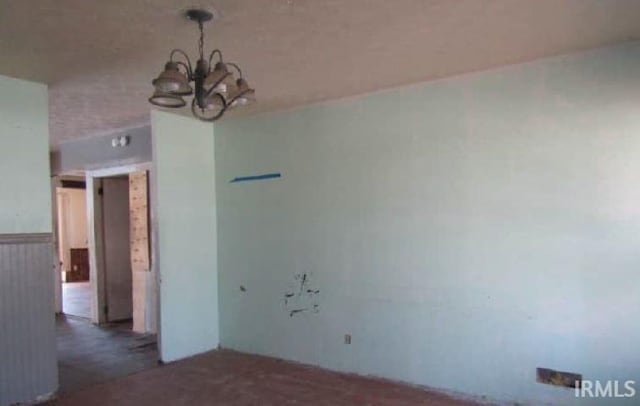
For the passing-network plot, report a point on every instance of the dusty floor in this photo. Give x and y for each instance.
(76, 299)
(88, 354)
(230, 378)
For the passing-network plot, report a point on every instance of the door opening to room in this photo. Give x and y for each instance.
(120, 250)
(72, 247)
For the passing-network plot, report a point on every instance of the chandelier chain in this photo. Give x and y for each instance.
(201, 43)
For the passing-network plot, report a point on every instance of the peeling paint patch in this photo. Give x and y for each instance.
(302, 296)
(294, 311)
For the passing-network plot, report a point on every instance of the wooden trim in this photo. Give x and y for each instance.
(26, 238)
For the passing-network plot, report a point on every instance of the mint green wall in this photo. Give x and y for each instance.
(25, 197)
(464, 232)
(184, 193)
(28, 358)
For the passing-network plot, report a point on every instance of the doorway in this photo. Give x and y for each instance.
(119, 231)
(77, 277)
(120, 254)
(72, 249)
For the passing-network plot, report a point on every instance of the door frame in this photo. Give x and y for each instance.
(96, 241)
(57, 269)
(58, 219)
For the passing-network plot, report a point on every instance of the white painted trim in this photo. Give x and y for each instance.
(155, 251)
(96, 249)
(25, 238)
(118, 170)
(57, 278)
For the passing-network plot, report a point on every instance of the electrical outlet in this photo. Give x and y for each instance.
(347, 338)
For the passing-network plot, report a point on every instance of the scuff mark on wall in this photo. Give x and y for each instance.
(301, 297)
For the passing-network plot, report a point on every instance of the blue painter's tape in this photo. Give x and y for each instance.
(256, 177)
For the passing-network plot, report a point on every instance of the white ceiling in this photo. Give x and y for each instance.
(99, 56)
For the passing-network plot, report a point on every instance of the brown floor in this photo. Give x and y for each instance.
(88, 354)
(231, 378)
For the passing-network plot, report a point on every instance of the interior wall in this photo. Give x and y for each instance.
(24, 124)
(72, 222)
(77, 221)
(185, 222)
(97, 152)
(463, 232)
(28, 366)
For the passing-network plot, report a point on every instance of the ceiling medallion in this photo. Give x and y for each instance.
(216, 90)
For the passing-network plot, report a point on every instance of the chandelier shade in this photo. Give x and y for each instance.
(242, 94)
(219, 77)
(212, 108)
(214, 87)
(171, 80)
(165, 99)
(214, 102)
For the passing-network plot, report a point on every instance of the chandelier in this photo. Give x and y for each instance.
(215, 90)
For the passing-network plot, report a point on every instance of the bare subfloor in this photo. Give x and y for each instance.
(88, 354)
(231, 378)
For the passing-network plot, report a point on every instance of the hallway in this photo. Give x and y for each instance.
(88, 354)
(76, 299)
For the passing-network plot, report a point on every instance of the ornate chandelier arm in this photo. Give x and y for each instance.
(209, 92)
(215, 51)
(236, 67)
(187, 66)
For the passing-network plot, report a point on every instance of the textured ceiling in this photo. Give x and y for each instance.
(99, 56)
